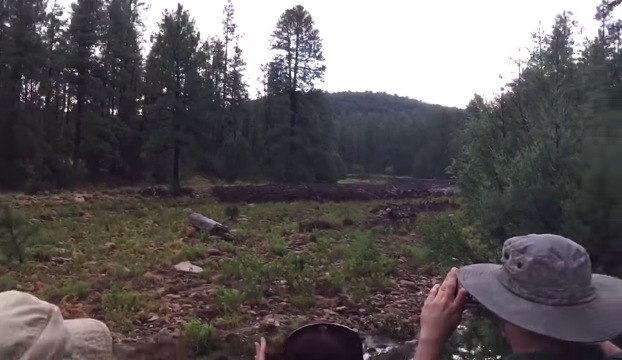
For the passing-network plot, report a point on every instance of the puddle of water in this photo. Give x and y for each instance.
(374, 346)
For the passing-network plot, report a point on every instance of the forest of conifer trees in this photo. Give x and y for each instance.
(543, 156)
(82, 103)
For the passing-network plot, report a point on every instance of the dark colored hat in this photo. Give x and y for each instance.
(323, 341)
(545, 285)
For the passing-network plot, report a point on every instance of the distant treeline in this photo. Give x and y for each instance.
(80, 103)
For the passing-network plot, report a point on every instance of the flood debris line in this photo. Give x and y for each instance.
(212, 227)
(162, 192)
(406, 213)
(326, 192)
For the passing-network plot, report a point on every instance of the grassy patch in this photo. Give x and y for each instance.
(113, 254)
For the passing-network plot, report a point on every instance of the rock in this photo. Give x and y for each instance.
(408, 284)
(110, 246)
(186, 266)
(152, 277)
(214, 252)
(162, 290)
(78, 198)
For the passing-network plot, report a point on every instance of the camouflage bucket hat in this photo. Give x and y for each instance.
(545, 285)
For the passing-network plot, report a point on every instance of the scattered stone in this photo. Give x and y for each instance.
(78, 198)
(214, 252)
(409, 285)
(186, 266)
(406, 214)
(152, 277)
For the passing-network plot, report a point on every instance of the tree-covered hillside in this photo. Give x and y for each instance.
(381, 133)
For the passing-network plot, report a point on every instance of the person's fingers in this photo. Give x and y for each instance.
(460, 299)
(433, 293)
(263, 347)
(448, 288)
(257, 351)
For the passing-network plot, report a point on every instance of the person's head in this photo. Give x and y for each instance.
(545, 295)
(34, 329)
(323, 342)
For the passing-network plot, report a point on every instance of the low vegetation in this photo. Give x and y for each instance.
(111, 255)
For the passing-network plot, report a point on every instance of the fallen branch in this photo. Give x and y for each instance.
(213, 227)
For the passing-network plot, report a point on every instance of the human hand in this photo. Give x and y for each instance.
(610, 349)
(260, 349)
(442, 310)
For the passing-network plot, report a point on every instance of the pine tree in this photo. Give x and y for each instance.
(22, 58)
(296, 67)
(124, 83)
(298, 48)
(85, 76)
(173, 88)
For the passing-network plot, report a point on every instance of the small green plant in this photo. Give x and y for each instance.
(226, 246)
(446, 238)
(303, 302)
(7, 282)
(296, 271)
(365, 260)
(195, 252)
(232, 212)
(417, 255)
(119, 299)
(78, 289)
(199, 334)
(16, 234)
(228, 300)
(231, 269)
(231, 321)
(278, 245)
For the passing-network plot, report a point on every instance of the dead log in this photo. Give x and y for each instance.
(213, 227)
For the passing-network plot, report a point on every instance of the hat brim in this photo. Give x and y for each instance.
(90, 339)
(594, 322)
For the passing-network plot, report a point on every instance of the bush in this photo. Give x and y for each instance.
(16, 234)
(451, 241)
(199, 334)
(278, 246)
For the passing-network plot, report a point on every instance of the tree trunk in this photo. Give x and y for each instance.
(176, 185)
(213, 227)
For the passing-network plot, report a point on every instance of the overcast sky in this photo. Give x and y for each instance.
(438, 51)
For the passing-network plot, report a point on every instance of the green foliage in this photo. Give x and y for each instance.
(444, 236)
(117, 299)
(540, 157)
(366, 263)
(78, 289)
(418, 255)
(199, 334)
(17, 233)
(7, 282)
(228, 300)
(278, 245)
(380, 133)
